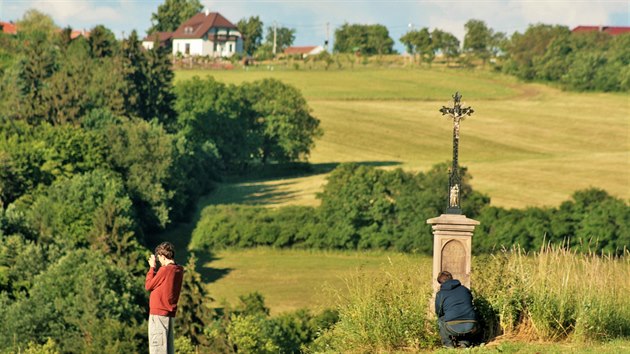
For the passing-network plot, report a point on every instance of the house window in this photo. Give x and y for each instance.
(187, 48)
(188, 30)
(215, 47)
(230, 48)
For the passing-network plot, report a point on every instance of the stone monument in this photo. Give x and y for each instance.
(452, 231)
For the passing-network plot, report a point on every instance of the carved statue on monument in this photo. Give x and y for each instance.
(454, 195)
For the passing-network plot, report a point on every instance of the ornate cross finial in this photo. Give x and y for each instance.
(458, 113)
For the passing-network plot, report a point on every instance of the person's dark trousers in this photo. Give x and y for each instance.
(461, 330)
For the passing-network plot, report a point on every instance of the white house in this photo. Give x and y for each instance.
(304, 51)
(207, 33)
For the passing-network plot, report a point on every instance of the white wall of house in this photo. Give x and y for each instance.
(316, 50)
(148, 45)
(196, 46)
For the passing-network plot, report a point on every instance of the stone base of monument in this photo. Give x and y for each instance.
(452, 238)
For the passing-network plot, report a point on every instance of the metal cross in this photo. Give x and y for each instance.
(458, 113)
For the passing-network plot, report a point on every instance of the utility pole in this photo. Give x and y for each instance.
(327, 36)
(275, 27)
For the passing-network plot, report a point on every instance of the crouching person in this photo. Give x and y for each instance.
(165, 286)
(455, 312)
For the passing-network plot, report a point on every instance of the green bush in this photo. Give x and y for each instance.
(362, 208)
(591, 220)
(248, 328)
(84, 302)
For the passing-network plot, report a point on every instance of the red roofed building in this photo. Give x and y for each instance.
(77, 33)
(304, 51)
(163, 38)
(612, 30)
(207, 33)
(8, 27)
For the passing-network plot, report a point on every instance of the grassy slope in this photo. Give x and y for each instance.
(292, 279)
(526, 144)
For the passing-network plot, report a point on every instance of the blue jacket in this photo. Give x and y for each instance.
(454, 302)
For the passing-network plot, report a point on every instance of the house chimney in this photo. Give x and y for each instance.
(206, 11)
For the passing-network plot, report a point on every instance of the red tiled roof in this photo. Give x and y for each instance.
(160, 36)
(76, 33)
(201, 23)
(612, 30)
(299, 50)
(8, 27)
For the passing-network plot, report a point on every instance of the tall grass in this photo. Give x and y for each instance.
(554, 294)
(381, 313)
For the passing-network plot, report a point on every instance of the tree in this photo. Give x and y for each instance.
(35, 21)
(142, 153)
(134, 63)
(478, 39)
(89, 209)
(102, 41)
(158, 92)
(66, 95)
(218, 116)
(84, 302)
(498, 44)
(446, 43)
(379, 42)
(425, 45)
(149, 82)
(284, 37)
(39, 62)
(252, 31)
(524, 49)
(366, 39)
(287, 128)
(172, 13)
(194, 313)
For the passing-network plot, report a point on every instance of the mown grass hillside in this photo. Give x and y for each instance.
(293, 279)
(525, 145)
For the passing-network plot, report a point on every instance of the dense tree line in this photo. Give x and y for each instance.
(98, 150)
(588, 61)
(362, 207)
(591, 221)
(591, 61)
(366, 208)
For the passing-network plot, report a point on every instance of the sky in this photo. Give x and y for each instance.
(316, 20)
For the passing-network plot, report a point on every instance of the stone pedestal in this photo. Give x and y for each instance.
(452, 238)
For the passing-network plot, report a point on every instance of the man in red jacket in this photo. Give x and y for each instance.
(165, 286)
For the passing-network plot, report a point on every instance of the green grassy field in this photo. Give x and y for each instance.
(293, 279)
(525, 145)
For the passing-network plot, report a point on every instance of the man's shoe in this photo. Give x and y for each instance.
(464, 344)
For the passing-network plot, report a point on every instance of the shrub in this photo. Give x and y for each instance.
(84, 302)
(383, 313)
